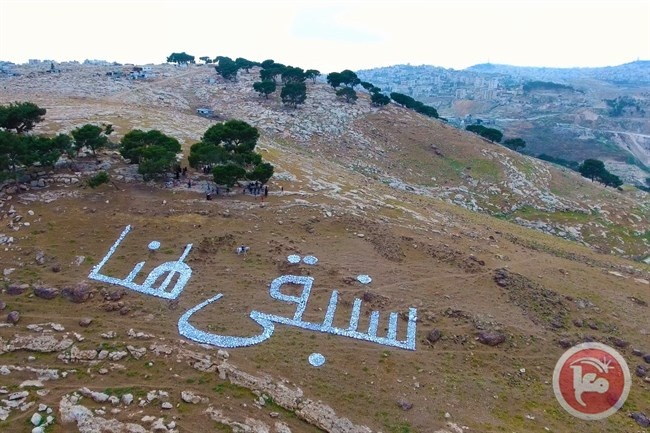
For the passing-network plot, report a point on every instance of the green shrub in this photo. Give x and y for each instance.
(98, 179)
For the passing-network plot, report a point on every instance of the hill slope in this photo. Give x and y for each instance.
(381, 192)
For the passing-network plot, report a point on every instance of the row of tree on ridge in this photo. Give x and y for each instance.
(228, 148)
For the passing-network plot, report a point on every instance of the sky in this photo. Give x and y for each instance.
(331, 35)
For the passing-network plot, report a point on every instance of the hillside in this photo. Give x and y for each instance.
(569, 117)
(409, 201)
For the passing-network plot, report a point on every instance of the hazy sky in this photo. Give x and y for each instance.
(331, 35)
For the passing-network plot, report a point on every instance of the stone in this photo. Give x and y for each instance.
(46, 292)
(40, 257)
(646, 358)
(491, 338)
(56, 267)
(404, 404)
(38, 429)
(127, 399)
(190, 397)
(84, 322)
(640, 419)
(641, 371)
(17, 289)
(158, 426)
(620, 343)
(13, 317)
(166, 405)
(78, 294)
(136, 352)
(36, 419)
(3, 305)
(434, 335)
(565, 343)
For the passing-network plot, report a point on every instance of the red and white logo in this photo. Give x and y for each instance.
(591, 381)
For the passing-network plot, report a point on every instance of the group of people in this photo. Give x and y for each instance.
(256, 188)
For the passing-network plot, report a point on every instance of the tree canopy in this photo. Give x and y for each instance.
(180, 58)
(348, 94)
(515, 143)
(265, 87)
(594, 169)
(494, 135)
(21, 116)
(230, 147)
(379, 99)
(153, 151)
(294, 94)
(227, 68)
(91, 136)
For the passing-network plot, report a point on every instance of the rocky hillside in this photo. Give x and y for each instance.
(394, 211)
(559, 112)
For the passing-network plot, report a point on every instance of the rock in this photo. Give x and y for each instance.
(78, 355)
(38, 430)
(491, 338)
(13, 317)
(640, 419)
(77, 294)
(637, 352)
(46, 292)
(404, 404)
(127, 399)
(501, 277)
(56, 267)
(646, 358)
(40, 257)
(3, 305)
(159, 426)
(36, 419)
(17, 289)
(565, 343)
(641, 371)
(98, 397)
(136, 352)
(166, 405)
(190, 397)
(434, 335)
(620, 343)
(85, 322)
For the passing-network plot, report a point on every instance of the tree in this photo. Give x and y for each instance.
(230, 147)
(426, 110)
(265, 88)
(27, 150)
(227, 174)
(261, 173)
(236, 135)
(514, 143)
(609, 179)
(205, 59)
(312, 74)
(180, 58)
(494, 135)
(153, 151)
(293, 94)
(91, 136)
(21, 116)
(592, 168)
(403, 100)
(227, 68)
(271, 71)
(245, 64)
(292, 74)
(348, 94)
(349, 78)
(370, 87)
(334, 79)
(379, 99)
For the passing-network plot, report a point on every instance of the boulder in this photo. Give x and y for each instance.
(77, 294)
(640, 419)
(84, 322)
(3, 305)
(641, 371)
(46, 292)
(17, 289)
(13, 317)
(434, 335)
(491, 338)
(404, 404)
